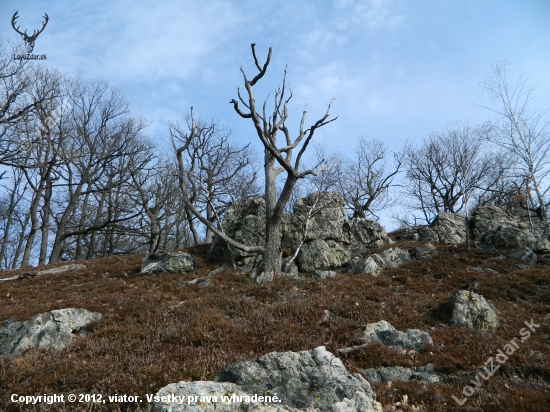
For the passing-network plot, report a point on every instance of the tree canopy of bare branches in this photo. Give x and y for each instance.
(365, 180)
(450, 167)
(522, 131)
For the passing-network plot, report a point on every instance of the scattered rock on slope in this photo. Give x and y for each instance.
(167, 262)
(389, 258)
(399, 373)
(301, 380)
(51, 330)
(384, 333)
(424, 252)
(472, 311)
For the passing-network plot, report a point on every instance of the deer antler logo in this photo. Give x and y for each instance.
(29, 39)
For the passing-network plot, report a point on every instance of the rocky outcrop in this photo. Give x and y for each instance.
(510, 237)
(244, 221)
(365, 234)
(486, 218)
(323, 254)
(424, 252)
(398, 373)
(300, 381)
(316, 226)
(384, 333)
(446, 228)
(51, 330)
(494, 227)
(389, 258)
(472, 311)
(523, 254)
(167, 262)
(449, 227)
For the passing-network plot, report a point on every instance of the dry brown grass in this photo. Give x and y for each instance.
(148, 338)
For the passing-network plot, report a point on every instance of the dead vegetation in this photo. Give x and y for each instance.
(159, 329)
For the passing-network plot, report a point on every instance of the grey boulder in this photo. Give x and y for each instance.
(302, 381)
(384, 333)
(486, 218)
(308, 379)
(365, 234)
(398, 373)
(450, 228)
(322, 274)
(51, 330)
(167, 262)
(472, 311)
(523, 254)
(206, 396)
(424, 252)
(389, 258)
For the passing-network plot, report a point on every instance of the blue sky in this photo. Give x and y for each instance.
(397, 69)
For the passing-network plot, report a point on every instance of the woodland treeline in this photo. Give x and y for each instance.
(81, 178)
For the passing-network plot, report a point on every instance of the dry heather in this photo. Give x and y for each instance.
(157, 330)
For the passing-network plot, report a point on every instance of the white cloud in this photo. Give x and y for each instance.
(147, 42)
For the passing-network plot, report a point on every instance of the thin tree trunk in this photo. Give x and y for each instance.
(93, 237)
(83, 215)
(60, 233)
(45, 229)
(189, 216)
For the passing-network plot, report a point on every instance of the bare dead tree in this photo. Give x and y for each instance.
(522, 131)
(277, 160)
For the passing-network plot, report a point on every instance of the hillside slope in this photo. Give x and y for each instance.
(158, 330)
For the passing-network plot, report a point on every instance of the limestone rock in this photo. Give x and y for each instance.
(291, 270)
(524, 254)
(244, 221)
(322, 254)
(365, 234)
(367, 266)
(450, 228)
(424, 252)
(389, 258)
(427, 234)
(472, 311)
(328, 243)
(384, 333)
(486, 218)
(308, 379)
(394, 257)
(322, 274)
(398, 373)
(325, 214)
(167, 262)
(51, 330)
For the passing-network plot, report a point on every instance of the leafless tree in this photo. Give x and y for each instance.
(97, 140)
(218, 171)
(449, 168)
(522, 131)
(365, 180)
(24, 88)
(278, 158)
